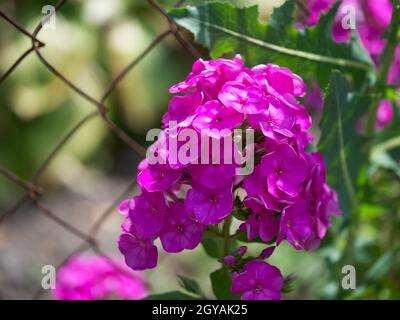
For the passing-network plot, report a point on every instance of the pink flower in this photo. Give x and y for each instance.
(394, 71)
(384, 117)
(213, 175)
(322, 202)
(96, 278)
(258, 281)
(255, 186)
(285, 170)
(277, 120)
(126, 205)
(314, 99)
(280, 81)
(339, 33)
(148, 213)
(182, 108)
(378, 13)
(372, 19)
(181, 230)
(158, 177)
(210, 76)
(296, 224)
(262, 222)
(315, 9)
(247, 100)
(140, 253)
(384, 114)
(210, 206)
(217, 120)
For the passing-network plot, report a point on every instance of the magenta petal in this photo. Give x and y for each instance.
(210, 206)
(140, 254)
(158, 177)
(181, 231)
(258, 281)
(296, 224)
(147, 217)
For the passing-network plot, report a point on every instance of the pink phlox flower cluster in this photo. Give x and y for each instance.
(286, 195)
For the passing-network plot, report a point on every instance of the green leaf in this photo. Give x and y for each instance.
(172, 295)
(226, 29)
(221, 284)
(382, 159)
(379, 269)
(241, 214)
(190, 285)
(288, 283)
(214, 245)
(344, 150)
(369, 211)
(381, 266)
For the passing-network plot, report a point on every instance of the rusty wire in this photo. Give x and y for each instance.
(32, 190)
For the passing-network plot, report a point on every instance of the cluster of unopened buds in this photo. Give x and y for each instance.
(233, 147)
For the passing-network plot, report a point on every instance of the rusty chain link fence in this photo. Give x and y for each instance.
(32, 190)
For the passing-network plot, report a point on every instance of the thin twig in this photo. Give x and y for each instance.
(175, 29)
(21, 182)
(15, 207)
(16, 64)
(21, 29)
(69, 227)
(100, 106)
(130, 66)
(227, 239)
(42, 168)
(37, 43)
(96, 226)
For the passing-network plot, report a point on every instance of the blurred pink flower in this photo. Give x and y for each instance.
(372, 18)
(96, 278)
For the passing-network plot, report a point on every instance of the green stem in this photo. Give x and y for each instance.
(211, 232)
(291, 52)
(227, 238)
(355, 207)
(388, 145)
